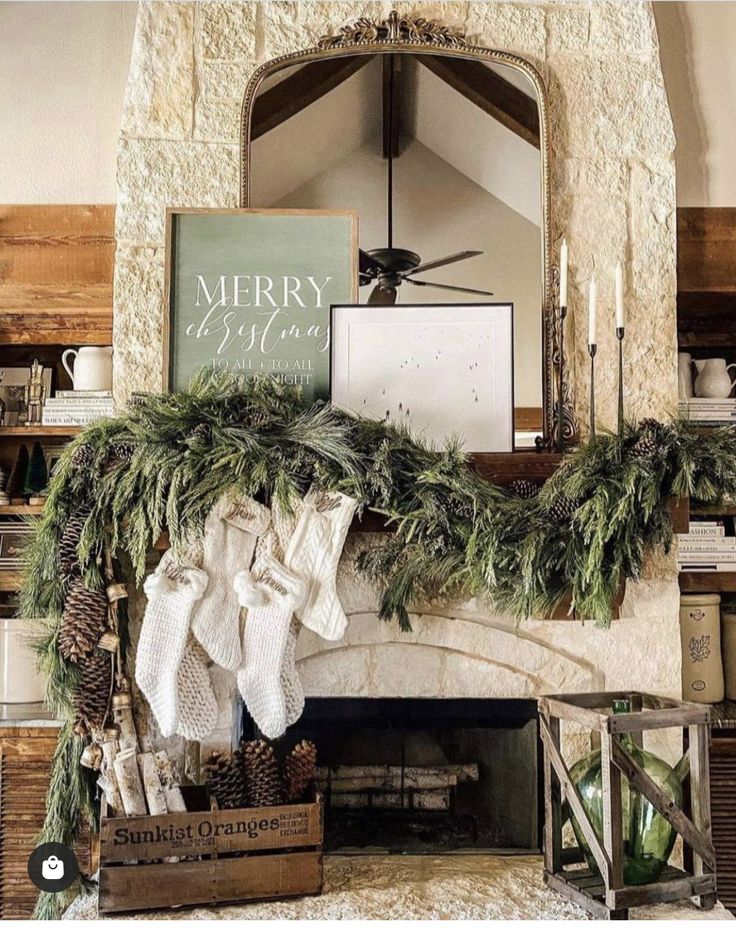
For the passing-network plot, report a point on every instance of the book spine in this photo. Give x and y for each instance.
(73, 420)
(82, 394)
(707, 542)
(700, 531)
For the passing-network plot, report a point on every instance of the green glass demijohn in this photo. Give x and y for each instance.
(648, 836)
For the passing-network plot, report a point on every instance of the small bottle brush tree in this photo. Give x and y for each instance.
(16, 481)
(37, 475)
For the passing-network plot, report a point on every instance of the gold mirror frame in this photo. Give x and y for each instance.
(397, 35)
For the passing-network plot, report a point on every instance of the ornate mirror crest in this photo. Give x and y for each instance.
(398, 34)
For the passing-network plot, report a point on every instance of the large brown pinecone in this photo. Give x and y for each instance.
(69, 542)
(562, 508)
(300, 771)
(92, 693)
(83, 621)
(262, 780)
(83, 456)
(225, 780)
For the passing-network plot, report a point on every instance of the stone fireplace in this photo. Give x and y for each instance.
(613, 195)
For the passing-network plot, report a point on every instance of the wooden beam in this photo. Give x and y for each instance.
(706, 245)
(56, 272)
(490, 92)
(391, 104)
(305, 86)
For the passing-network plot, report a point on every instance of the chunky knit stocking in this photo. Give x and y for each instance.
(315, 550)
(230, 537)
(172, 591)
(197, 702)
(270, 594)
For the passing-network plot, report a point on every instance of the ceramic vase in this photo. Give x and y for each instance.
(684, 376)
(713, 380)
(700, 635)
(728, 650)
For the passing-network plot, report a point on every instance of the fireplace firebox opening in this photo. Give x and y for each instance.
(425, 776)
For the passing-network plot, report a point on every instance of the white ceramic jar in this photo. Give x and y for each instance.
(19, 679)
(700, 634)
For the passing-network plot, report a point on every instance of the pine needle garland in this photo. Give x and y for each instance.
(176, 454)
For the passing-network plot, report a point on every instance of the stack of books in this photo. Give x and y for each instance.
(77, 407)
(703, 410)
(706, 548)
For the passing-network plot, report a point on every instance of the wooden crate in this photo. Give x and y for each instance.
(225, 855)
(605, 895)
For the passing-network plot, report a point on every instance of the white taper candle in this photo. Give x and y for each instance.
(592, 298)
(619, 296)
(563, 273)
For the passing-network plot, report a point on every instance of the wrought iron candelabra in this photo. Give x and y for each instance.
(592, 348)
(620, 335)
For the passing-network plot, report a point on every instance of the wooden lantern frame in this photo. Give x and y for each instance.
(605, 895)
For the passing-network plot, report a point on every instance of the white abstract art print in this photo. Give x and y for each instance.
(442, 370)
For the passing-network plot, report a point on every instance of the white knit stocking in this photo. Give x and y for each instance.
(291, 685)
(172, 591)
(270, 594)
(315, 550)
(197, 702)
(230, 537)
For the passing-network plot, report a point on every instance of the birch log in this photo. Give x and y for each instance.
(155, 796)
(129, 783)
(107, 780)
(461, 772)
(174, 799)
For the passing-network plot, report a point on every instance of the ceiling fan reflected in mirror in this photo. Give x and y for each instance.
(391, 266)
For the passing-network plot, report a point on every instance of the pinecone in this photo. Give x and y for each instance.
(562, 508)
(92, 693)
(300, 771)
(117, 454)
(644, 447)
(524, 489)
(200, 436)
(83, 457)
(262, 781)
(83, 621)
(69, 541)
(225, 779)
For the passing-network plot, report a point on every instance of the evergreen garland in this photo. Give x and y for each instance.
(164, 464)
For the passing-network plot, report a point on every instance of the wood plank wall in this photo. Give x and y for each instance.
(706, 277)
(56, 274)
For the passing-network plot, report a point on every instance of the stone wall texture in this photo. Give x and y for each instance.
(613, 197)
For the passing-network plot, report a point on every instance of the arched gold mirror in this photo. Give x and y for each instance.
(442, 148)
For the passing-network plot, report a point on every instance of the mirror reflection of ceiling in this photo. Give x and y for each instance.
(466, 173)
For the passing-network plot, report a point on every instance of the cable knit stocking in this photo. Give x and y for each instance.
(230, 537)
(172, 591)
(271, 593)
(197, 702)
(315, 549)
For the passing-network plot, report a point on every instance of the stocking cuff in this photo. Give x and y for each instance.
(246, 514)
(170, 576)
(337, 507)
(280, 586)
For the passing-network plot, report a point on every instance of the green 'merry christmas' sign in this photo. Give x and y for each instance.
(249, 292)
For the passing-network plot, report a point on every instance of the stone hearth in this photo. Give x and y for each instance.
(468, 887)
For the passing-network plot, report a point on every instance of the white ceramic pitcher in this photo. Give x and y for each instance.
(713, 380)
(92, 368)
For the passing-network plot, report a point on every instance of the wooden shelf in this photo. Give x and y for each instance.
(713, 510)
(10, 581)
(21, 510)
(36, 431)
(695, 582)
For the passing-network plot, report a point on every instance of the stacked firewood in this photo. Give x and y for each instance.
(387, 786)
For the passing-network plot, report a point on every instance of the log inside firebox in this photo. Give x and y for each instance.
(349, 778)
